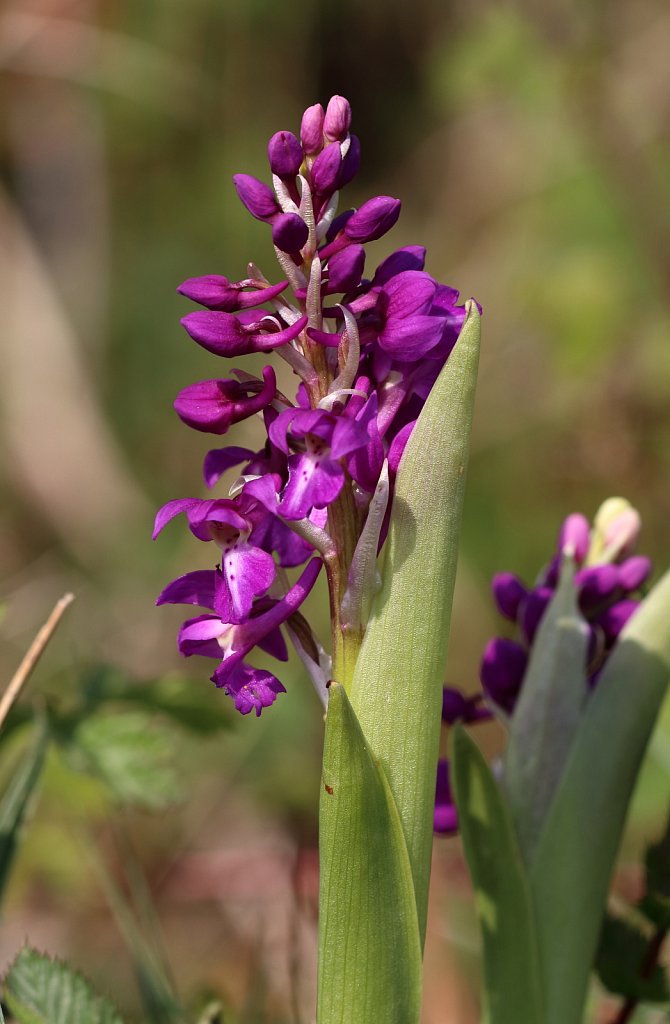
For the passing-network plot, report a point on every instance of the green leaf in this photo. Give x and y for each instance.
(655, 904)
(620, 963)
(15, 801)
(547, 714)
(369, 949)
(193, 706)
(502, 897)
(39, 990)
(575, 855)
(132, 754)
(397, 685)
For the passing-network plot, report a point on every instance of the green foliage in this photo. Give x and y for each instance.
(655, 904)
(502, 897)
(39, 990)
(16, 799)
(621, 964)
(569, 879)
(548, 713)
(131, 753)
(397, 686)
(369, 948)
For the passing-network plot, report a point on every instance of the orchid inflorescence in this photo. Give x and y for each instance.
(320, 488)
(609, 579)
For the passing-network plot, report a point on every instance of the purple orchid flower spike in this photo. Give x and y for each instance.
(320, 484)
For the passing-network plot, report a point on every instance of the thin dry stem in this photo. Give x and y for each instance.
(33, 655)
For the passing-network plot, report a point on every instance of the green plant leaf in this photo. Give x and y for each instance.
(39, 990)
(620, 963)
(397, 685)
(512, 990)
(548, 712)
(16, 799)
(131, 753)
(369, 949)
(198, 708)
(572, 865)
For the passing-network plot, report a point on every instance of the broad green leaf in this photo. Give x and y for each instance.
(512, 989)
(195, 707)
(397, 686)
(548, 712)
(621, 967)
(15, 801)
(39, 990)
(575, 855)
(369, 949)
(131, 753)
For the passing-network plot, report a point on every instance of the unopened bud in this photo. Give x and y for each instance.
(338, 118)
(311, 129)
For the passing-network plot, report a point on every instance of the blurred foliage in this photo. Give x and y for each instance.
(529, 145)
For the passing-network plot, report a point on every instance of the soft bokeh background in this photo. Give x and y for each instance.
(529, 145)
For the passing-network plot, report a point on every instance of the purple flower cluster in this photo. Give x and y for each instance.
(609, 578)
(366, 352)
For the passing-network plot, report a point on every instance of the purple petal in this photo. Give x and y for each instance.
(409, 294)
(192, 588)
(326, 169)
(398, 445)
(252, 689)
(575, 535)
(446, 816)
(508, 593)
(373, 219)
(634, 572)
(214, 405)
(284, 154)
(311, 129)
(345, 269)
(312, 482)
(413, 338)
(170, 510)
(218, 293)
(337, 121)
(289, 232)
(502, 670)
(411, 257)
(246, 573)
(199, 635)
(596, 584)
(227, 335)
(613, 619)
(351, 162)
(259, 200)
(533, 609)
(218, 460)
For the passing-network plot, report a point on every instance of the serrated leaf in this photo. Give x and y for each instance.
(572, 865)
(512, 990)
(547, 714)
(369, 948)
(39, 990)
(397, 686)
(132, 754)
(16, 800)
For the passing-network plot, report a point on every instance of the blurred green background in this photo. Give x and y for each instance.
(529, 145)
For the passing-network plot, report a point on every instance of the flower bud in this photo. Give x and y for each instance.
(284, 154)
(573, 538)
(533, 610)
(326, 170)
(311, 129)
(502, 670)
(616, 530)
(373, 219)
(508, 593)
(258, 198)
(289, 232)
(351, 161)
(338, 118)
(345, 269)
(634, 572)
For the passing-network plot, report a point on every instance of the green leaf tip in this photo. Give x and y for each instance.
(397, 686)
(369, 948)
(502, 896)
(42, 990)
